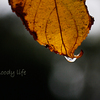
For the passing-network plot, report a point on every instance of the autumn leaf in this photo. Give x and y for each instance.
(60, 25)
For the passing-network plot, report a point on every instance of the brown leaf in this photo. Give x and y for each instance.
(60, 25)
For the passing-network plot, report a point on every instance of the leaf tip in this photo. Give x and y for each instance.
(75, 57)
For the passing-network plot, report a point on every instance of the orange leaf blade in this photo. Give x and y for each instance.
(61, 25)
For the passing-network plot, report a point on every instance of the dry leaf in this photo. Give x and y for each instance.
(60, 25)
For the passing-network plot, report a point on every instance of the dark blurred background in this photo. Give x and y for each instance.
(48, 75)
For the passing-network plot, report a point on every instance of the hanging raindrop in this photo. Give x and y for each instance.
(75, 57)
(70, 59)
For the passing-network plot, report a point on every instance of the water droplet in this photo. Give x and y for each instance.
(70, 59)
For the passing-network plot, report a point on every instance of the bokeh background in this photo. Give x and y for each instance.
(48, 75)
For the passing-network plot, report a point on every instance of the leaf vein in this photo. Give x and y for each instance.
(60, 26)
